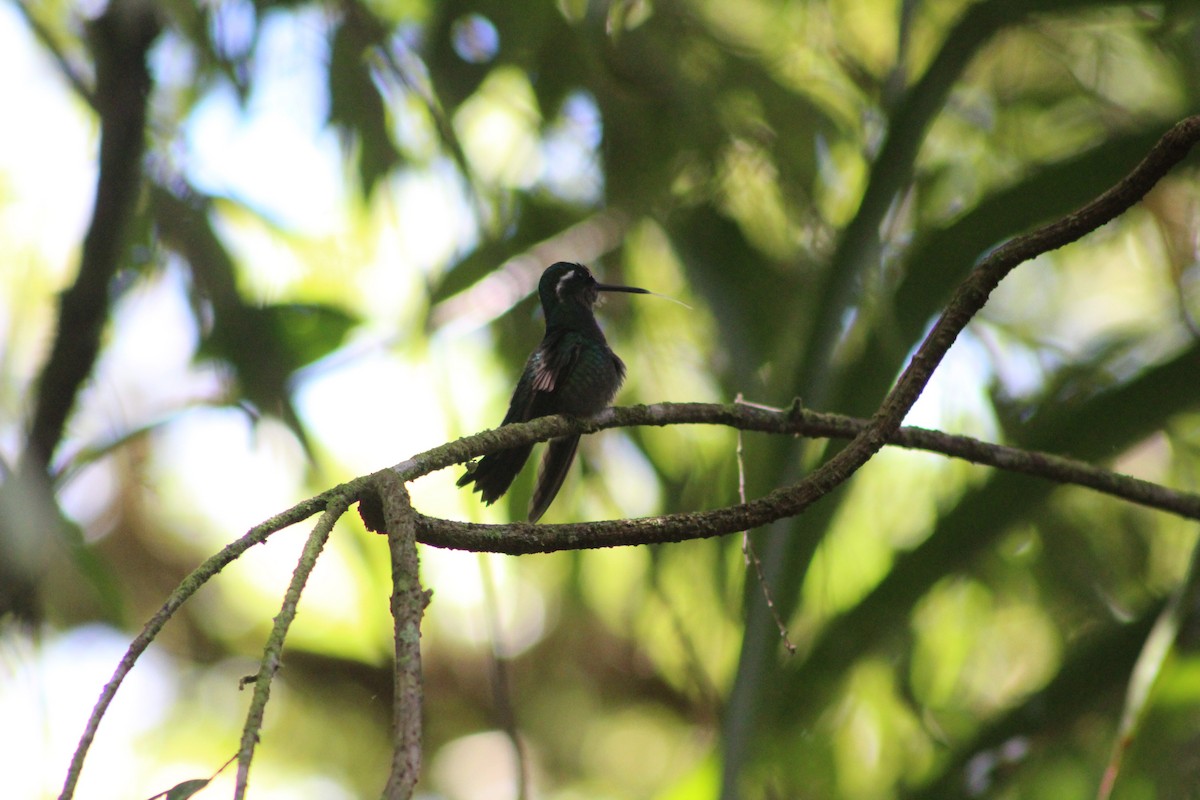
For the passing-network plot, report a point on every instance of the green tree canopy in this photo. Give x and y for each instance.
(258, 248)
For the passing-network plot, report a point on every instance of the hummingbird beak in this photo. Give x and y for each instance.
(605, 287)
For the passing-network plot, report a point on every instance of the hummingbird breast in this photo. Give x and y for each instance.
(587, 384)
(597, 377)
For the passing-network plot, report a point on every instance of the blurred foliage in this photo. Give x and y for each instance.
(813, 177)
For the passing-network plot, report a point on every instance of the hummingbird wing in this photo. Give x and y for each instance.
(534, 397)
(549, 365)
(559, 356)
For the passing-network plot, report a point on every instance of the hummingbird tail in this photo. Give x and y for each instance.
(555, 463)
(495, 473)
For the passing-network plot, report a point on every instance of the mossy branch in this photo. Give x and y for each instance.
(384, 502)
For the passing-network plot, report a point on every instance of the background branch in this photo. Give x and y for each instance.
(29, 516)
(71, 73)
(120, 38)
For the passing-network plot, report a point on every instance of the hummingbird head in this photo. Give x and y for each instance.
(566, 284)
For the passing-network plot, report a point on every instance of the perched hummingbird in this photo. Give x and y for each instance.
(573, 371)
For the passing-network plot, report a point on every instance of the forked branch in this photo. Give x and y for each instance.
(383, 498)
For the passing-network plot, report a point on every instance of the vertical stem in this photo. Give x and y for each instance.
(120, 39)
(408, 606)
(188, 587)
(283, 620)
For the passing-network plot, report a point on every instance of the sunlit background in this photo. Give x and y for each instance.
(625, 666)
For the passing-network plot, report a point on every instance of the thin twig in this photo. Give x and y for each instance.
(419, 82)
(71, 74)
(269, 665)
(750, 557)
(188, 587)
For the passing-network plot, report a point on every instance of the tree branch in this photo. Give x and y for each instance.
(970, 297)
(519, 537)
(121, 39)
(408, 606)
(269, 664)
(188, 587)
(70, 72)
(384, 493)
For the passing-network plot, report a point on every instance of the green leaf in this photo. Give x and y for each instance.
(266, 345)
(182, 791)
(356, 108)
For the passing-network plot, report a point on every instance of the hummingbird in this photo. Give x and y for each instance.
(573, 371)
